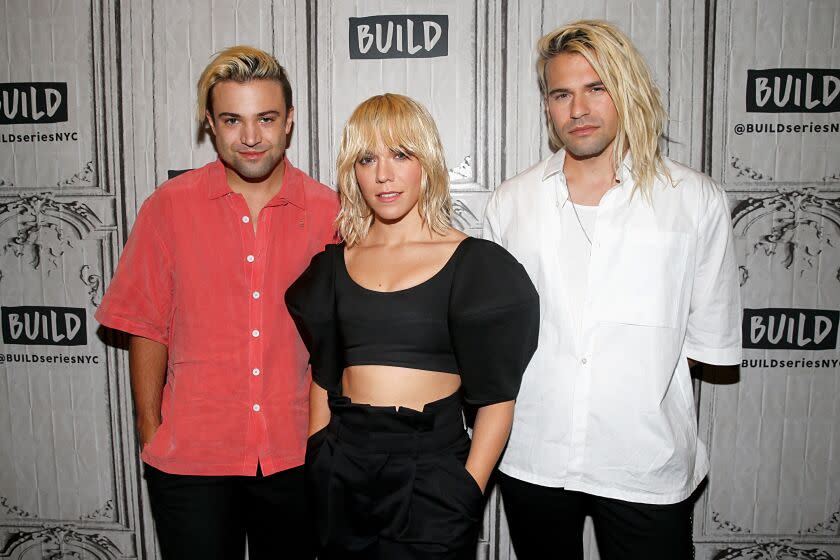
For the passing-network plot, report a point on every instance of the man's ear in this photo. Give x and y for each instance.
(290, 118)
(209, 118)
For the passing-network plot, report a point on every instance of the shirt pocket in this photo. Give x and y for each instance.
(644, 275)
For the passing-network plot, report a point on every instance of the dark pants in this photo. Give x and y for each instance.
(391, 484)
(543, 519)
(207, 517)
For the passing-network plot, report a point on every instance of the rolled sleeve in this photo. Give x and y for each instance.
(139, 299)
(713, 334)
(491, 228)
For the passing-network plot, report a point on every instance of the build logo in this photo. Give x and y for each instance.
(44, 326)
(399, 36)
(793, 90)
(33, 102)
(790, 329)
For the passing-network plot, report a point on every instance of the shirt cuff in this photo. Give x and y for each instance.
(715, 356)
(131, 327)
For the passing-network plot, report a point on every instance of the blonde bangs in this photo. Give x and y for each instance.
(400, 124)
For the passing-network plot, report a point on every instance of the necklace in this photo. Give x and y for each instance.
(580, 223)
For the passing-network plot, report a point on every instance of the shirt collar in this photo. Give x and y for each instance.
(554, 165)
(291, 192)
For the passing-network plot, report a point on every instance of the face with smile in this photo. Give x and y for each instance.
(251, 126)
(579, 106)
(389, 180)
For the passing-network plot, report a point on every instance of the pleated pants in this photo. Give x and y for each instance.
(390, 483)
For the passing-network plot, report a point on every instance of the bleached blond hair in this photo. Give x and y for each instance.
(621, 68)
(402, 125)
(239, 64)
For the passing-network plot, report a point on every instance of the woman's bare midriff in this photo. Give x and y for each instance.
(397, 386)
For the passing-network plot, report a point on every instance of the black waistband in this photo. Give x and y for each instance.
(392, 430)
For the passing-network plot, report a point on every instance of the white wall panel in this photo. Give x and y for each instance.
(773, 489)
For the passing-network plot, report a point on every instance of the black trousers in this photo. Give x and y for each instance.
(208, 517)
(391, 484)
(551, 519)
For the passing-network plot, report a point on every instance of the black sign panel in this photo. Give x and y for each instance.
(172, 173)
(44, 326)
(790, 329)
(33, 102)
(399, 36)
(793, 90)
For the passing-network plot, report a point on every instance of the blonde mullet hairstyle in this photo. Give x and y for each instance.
(239, 64)
(403, 125)
(641, 117)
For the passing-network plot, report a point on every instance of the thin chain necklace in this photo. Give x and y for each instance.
(580, 223)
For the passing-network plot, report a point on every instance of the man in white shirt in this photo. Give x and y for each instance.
(632, 256)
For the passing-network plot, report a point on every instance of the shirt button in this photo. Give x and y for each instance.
(245, 219)
(250, 258)
(583, 361)
(255, 371)
(256, 295)
(255, 333)
(256, 408)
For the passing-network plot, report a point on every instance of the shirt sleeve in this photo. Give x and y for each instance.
(491, 228)
(139, 299)
(713, 334)
(493, 322)
(311, 303)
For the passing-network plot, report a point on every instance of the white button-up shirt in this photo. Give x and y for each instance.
(607, 407)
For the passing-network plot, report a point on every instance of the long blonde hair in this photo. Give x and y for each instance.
(402, 124)
(239, 64)
(641, 116)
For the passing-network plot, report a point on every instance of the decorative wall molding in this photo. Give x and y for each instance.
(106, 512)
(783, 550)
(463, 171)
(726, 525)
(830, 525)
(791, 210)
(12, 509)
(743, 274)
(62, 542)
(84, 178)
(747, 171)
(93, 283)
(463, 217)
(43, 225)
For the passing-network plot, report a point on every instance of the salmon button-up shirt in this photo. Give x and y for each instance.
(196, 277)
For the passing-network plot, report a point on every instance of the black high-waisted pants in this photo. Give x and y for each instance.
(391, 484)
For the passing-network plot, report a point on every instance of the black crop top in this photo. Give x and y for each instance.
(478, 317)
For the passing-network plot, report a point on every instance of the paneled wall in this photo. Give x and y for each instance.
(105, 107)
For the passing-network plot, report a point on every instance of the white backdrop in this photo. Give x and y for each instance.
(752, 88)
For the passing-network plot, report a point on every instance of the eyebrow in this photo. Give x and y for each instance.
(566, 90)
(263, 114)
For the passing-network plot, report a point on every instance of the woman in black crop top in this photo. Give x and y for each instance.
(403, 321)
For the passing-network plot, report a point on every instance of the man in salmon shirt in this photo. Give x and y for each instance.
(218, 372)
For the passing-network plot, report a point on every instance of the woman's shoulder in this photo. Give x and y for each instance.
(478, 251)
(487, 275)
(325, 258)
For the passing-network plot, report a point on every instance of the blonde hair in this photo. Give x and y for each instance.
(641, 116)
(239, 64)
(402, 124)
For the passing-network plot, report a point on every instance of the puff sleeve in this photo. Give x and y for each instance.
(311, 303)
(493, 322)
